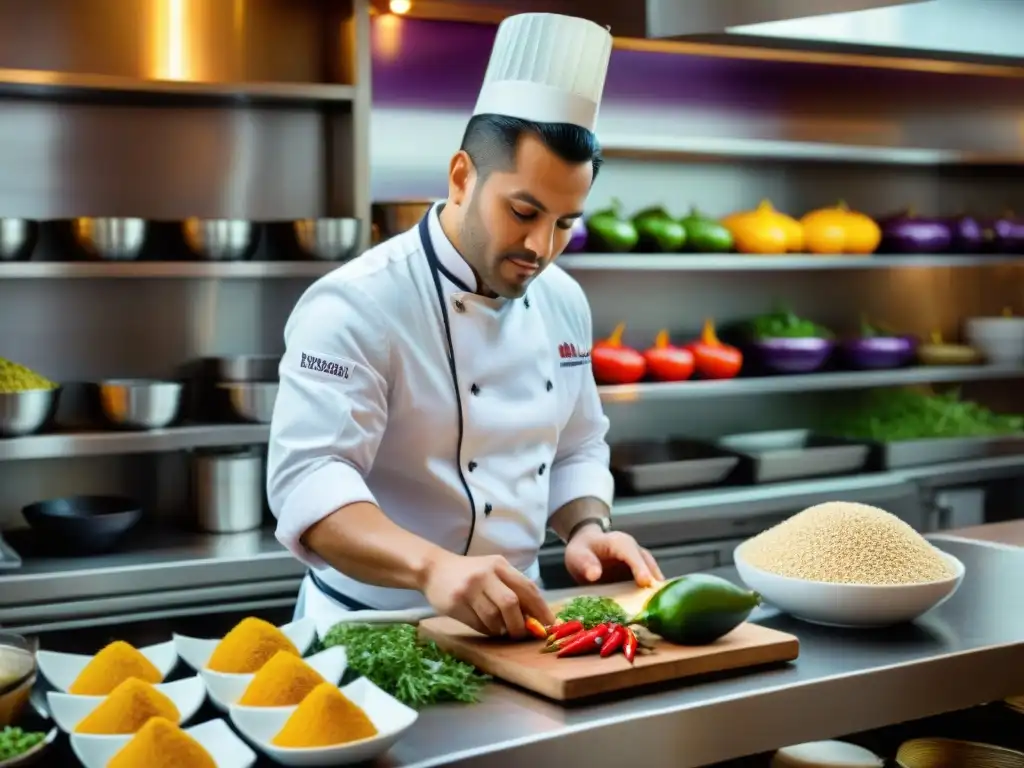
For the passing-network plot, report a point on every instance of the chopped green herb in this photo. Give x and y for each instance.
(416, 673)
(593, 611)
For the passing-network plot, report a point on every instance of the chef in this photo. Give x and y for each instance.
(437, 412)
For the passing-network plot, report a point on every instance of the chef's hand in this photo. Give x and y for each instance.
(592, 550)
(486, 593)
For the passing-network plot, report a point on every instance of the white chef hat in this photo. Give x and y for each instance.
(547, 68)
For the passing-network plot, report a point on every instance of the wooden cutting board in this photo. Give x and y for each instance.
(522, 663)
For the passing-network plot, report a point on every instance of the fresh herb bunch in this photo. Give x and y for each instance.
(416, 673)
(783, 324)
(592, 611)
(14, 741)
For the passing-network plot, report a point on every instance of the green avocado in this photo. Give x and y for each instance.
(696, 609)
(705, 235)
(607, 231)
(658, 232)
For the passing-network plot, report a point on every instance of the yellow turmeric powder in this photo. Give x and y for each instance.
(162, 744)
(284, 681)
(111, 667)
(127, 709)
(247, 647)
(325, 718)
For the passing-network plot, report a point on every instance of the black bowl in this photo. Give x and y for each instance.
(81, 525)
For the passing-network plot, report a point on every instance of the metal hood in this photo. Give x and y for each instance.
(677, 18)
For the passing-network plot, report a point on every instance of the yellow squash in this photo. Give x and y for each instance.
(764, 230)
(839, 230)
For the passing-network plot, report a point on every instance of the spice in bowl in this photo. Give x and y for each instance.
(128, 707)
(325, 718)
(246, 648)
(284, 681)
(112, 666)
(160, 743)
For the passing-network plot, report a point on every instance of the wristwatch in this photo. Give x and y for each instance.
(605, 523)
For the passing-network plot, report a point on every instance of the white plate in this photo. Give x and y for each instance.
(390, 716)
(197, 651)
(61, 669)
(216, 736)
(849, 605)
(225, 690)
(69, 710)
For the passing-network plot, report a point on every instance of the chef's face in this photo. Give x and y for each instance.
(516, 222)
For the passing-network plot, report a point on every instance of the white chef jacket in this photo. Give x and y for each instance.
(367, 409)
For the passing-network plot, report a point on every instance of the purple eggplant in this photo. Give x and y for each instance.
(968, 234)
(1004, 235)
(908, 233)
(577, 237)
(796, 355)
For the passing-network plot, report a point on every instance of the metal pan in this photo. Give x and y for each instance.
(772, 457)
(917, 453)
(655, 467)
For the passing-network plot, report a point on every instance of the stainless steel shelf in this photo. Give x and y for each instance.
(686, 147)
(813, 382)
(37, 270)
(76, 444)
(44, 83)
(733, 262)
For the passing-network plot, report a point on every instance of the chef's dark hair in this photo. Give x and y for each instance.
(491, 142)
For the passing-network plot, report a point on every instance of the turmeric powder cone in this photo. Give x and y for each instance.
(112, 666)
(325, 718)
(127, 709)
(162, 744)
(247, 647)
(284, 681)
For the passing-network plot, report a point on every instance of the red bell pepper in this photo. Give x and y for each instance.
(615, 363)
(713, 359)
(666, 362)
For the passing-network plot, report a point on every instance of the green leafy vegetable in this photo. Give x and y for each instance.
(14, 741)
(783, 324)
(416, 673)
(592, 611)
(904, 414)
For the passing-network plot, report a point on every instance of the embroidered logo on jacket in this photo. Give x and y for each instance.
(314, 363)
(572, 355)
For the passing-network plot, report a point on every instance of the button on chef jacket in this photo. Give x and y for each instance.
(367, 409)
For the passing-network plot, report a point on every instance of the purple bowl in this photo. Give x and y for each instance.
(879, 353)
(792, 355)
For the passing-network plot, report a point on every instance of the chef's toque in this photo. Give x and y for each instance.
(547, 68)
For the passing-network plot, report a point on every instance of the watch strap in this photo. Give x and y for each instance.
(604, 523)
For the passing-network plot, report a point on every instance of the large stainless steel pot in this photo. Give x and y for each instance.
(393, 217)
(227, 487)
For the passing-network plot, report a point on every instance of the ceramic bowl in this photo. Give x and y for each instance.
(61, 669)
(34, 755)
(849, 605)
(216, 736)
(390, 716)
(952, 753)
(69, 710)
(196, 652)
(225, 690)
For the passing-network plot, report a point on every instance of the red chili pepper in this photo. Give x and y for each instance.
(559, 644)
(629, 645)
(535, 628)
(585, 642)
(564, 630)
(615, 639)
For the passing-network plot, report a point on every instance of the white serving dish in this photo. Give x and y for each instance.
(62, 669)
(196, 652)
(390, 716)
(999, 339)
(225, 690)
(849, 605)
(69, 710)
(216, 736)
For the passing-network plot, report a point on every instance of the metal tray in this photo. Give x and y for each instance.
(654, 467)
(771, 457)
(8, 557)
(917, 453)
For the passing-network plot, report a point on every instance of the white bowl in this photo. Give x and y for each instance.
(216, 736)
(390, 716)
(69, 710)
(62, 669)
(225, 690)
(196, 651)
(849, 605)
(1000, 339)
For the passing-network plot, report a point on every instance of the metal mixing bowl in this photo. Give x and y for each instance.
(220, 239)
(328, 239)
(26, 412)
(140, 403)
(110, 239)
(17, 238)
(252, 401)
